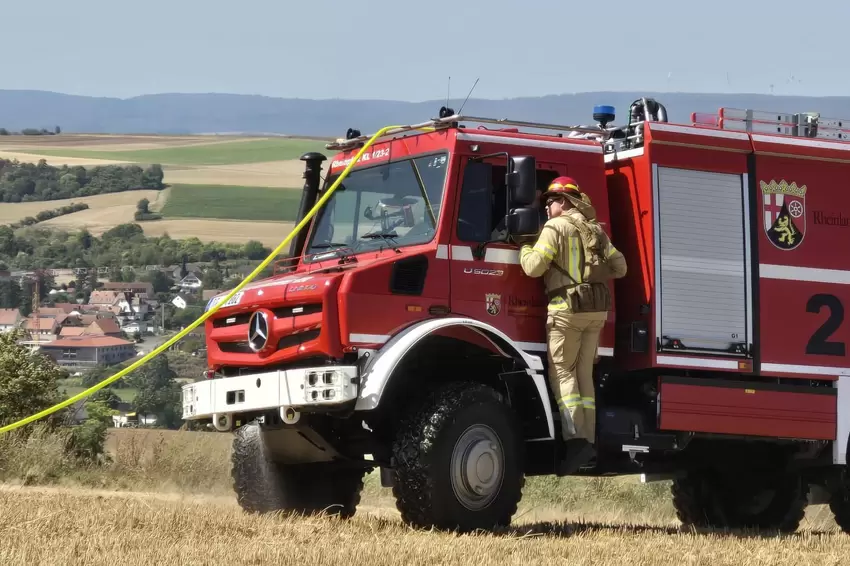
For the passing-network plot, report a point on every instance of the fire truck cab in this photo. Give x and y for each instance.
(401, 333)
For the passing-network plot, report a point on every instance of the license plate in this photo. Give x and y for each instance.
(234, 300)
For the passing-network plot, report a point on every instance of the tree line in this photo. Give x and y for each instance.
(30, 182)
(39, 247)
(48, 214)
(32, 132)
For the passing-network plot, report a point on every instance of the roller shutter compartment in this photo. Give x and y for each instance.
(702, 294)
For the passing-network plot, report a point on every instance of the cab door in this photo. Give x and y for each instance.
(487, 281)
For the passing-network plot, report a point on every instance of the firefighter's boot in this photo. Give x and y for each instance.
(578, 454)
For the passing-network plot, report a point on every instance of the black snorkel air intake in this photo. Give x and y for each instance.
(309, 196)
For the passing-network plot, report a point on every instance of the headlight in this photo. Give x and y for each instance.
(328, 386)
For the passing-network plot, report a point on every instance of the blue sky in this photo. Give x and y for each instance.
(407, 50)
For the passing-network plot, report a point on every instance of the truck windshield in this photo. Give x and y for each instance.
(395, 204)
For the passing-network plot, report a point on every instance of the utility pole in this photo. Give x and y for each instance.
(35, 308)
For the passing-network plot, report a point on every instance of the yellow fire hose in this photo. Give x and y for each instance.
(210, 312)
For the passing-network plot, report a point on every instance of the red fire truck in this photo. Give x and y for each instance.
(401, 334)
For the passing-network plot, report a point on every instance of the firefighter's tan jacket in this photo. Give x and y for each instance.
(560, 242)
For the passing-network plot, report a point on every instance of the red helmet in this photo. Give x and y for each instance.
(562, 186)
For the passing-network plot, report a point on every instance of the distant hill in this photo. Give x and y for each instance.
(227, 113)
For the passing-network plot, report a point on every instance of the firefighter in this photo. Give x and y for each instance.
(576, 259)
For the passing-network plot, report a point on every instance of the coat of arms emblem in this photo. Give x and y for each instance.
(784, 206)
(494, 303)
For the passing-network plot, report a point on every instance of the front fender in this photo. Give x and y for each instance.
(381, 364)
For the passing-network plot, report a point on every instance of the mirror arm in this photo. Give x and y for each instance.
(478, 251)
(504, 154)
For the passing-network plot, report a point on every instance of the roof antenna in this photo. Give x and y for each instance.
(448, 91)
(460, 112)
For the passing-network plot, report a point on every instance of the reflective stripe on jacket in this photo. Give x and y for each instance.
(560, 242)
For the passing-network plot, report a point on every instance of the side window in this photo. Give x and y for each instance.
(483, 206)
(482, 201)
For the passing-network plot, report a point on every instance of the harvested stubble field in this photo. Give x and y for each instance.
(107, 211)
(77, 527)
(103, 209)
(280, 174)
(220, 160)
(194, 163)
(108, 141)
(219, 152)
(165, 498)
(269, 234)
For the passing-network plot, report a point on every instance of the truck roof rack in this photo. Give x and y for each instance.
(453, 120)
(803, 124)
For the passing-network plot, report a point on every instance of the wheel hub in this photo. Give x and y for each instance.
(477, 467)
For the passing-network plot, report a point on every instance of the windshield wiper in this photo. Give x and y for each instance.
(386, 236)
(338, 250)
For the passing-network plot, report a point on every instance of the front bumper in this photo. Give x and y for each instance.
(285, 390)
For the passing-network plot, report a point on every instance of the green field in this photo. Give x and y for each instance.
(232, 203)
(68, 388)
(213, 154)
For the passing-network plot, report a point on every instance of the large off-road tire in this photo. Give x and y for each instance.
(707, 499)
(263, 486)
(458, 460)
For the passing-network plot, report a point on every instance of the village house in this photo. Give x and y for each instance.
(65, 321)
(190, 284)
(105, 299)
(128, 302)
(57, 314)
(133, 288)
(68, 331)
(141, 306)
(68, 308)
(87, 317)
(89, 351)
(10, 319)
(40, 329)
(180, 301)
(174, 271)
(103, 327)
(134, 309)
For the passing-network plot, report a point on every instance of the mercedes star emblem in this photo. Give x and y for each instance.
(258, 330)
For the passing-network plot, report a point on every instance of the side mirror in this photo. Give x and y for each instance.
(523, 222)
(522, 181)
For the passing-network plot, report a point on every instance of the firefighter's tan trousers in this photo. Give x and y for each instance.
(573, 341)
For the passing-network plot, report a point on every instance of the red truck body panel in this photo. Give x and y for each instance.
(805, 288)
(795, 293)
(741, 408)
(518, 302)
